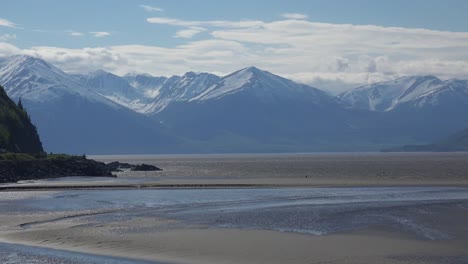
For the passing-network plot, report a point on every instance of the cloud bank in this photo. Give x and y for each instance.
(151, 8)
(100, 34)
(294, 16)
(7, 23)
(329, 56)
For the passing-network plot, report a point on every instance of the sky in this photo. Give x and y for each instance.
(330, 44)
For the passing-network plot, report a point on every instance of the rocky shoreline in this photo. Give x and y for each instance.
(19, 170)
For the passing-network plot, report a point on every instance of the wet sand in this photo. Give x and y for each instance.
(240, 246)
(399, 226)
(203, 233)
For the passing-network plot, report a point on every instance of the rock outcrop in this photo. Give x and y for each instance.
(17, 170)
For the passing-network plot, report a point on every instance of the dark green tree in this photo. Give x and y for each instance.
(20, 104)
(17, 132)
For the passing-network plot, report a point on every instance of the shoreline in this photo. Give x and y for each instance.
(34, 250)
(235, 226)
(216, 186)
(219, 210)
(234, 245)
(225, 184)
(272, 171)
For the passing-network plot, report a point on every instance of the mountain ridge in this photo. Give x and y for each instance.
(251, 109)
(387, 96)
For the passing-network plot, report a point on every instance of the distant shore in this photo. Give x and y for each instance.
(21, 167)
(15, 167)
(275, 170)
(221, 184)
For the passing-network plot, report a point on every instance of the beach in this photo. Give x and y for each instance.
(192, 213)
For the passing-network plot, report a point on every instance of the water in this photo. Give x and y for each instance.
(317, 211)
(427, 213)
(18, 254)
(343, 166)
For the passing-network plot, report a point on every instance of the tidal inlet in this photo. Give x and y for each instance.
(297, 131)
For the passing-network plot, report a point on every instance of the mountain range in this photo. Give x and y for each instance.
(249, 110)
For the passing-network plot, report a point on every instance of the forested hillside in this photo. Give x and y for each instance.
(17, 133)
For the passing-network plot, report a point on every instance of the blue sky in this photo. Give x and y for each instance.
(170, 35)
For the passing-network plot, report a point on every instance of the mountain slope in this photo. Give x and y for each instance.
(34, 79)
(179, 89)
(17, 133)
(115, 89)
(264, 86)
(386, 96)
(435, 114)
(146, 84)
(253, 110)
(455, 142)
(414, 110)
(249, 110)
(73, 118)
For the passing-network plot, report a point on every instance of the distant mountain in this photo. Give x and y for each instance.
(115, 89)
(34, 79)
(264, 86)
(147, 94)
(145, 83)
(254, 110)
(387, 96)
(72, 117)
(17, 133)
(184, 88)
(455, 142)
(249, 110)
(413, 109)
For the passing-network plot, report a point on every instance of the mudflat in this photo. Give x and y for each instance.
(257, 170)
(294, 208)
(246, 225)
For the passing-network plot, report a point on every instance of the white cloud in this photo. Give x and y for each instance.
(7, 49)
(151, 8)
(100, 34)
(294, 16)
(331, 56)
(75, 33)
(7, 37)
(7, 23)
(190, 32)
(209, 23)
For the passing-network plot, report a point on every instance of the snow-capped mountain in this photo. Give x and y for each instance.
(72, 117)
(416, 109)
(263, 85)
(147, 94)
(251, 108)
(145, 83)
(184, 88)
(248, 110)
(448, 93)
(115, 88)
(34, 79)
(386, 96)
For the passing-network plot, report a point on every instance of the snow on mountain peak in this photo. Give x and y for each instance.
(24, 76)
(386, 96)
(34, 79)
(228, 84)
(263, 85)
(182, 88)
